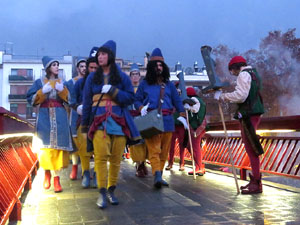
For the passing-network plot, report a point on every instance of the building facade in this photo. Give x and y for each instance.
(17, 74)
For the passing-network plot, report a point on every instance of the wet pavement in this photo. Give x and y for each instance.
(210, 199)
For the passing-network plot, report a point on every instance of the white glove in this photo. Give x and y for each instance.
(144, 110)
(46, 88)
(217, 95)
(195, 108)
(186, 106)
(79, 110)
(183, 121)
(105, 88)
(59, 86)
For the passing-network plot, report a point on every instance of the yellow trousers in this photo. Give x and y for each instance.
(158, 148)
(108, 148)
(138, 153)
(82, 151)
(53, 159)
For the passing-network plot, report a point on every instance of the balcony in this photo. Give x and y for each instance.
(16, 78)
(17, 98)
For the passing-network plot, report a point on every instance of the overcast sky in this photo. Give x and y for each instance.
(178, 27)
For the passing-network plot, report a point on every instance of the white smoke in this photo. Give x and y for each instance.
(289, 105)
(283, 64)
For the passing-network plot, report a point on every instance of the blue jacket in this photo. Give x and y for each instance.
(150, 94)
(79, 91)
(70, 84)
(52, 122)
(121, 93)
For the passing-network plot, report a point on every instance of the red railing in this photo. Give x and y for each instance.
(18, 164)
(281, 157)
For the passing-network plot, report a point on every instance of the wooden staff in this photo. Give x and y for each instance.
(229, 148)
(191, 144)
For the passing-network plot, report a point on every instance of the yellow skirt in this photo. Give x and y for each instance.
(53, 159)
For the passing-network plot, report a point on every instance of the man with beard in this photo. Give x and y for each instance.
(157, 83)
(81, 68)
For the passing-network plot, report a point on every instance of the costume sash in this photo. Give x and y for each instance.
(251, 135)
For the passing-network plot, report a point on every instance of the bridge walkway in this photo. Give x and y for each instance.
(210, 199)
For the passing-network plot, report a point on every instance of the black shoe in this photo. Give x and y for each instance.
(111, 196)
(169, 167)
(102, 200)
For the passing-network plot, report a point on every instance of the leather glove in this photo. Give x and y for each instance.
(186, 106)
(79, 110)
(217, 95)
(106, 88)
(59, 86)
(144, 110)
(46, 88)
(183, 121)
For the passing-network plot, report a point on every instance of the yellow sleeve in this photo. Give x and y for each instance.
(39, 97)
(64, 94)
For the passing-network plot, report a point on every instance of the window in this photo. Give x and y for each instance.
(30, 111)
(20, 108)
(27, 73)
(19, 89)
(14, 108)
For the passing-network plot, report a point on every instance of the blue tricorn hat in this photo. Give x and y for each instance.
(93, 52)
(134, 67)
(156, 55)
(111, 46)
(47, 61)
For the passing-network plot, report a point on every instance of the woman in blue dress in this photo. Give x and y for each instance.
(49, 95)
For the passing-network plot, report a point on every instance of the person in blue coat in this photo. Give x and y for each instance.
(49, 95)
(73, 117)
(107, 94)
(84, 155)
(146, 99)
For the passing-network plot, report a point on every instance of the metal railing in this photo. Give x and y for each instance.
(18, 164)
(281, 153)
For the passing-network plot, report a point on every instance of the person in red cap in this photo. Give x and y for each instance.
(197, 123)
(179, 134)
(250, 108)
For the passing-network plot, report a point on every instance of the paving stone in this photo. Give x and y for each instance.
(69, 218)
(210, 199)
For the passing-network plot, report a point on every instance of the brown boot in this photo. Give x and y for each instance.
(139, 170)
(73, 174)
(47, 179)
(254, 187)
(57, 186)
(144, 168)
(245, 186)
